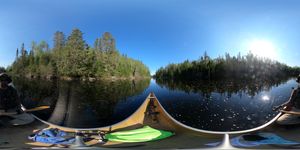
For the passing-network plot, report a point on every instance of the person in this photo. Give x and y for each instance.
(9, 99)
(293, 104)
(294, 100)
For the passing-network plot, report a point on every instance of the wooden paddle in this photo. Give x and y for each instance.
(36, 108)
(290, 112)
(25, 110)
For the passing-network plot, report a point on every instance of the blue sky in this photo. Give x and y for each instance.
(154, 31)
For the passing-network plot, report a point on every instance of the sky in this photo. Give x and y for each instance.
(158, 32)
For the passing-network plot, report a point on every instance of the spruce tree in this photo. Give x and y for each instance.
(58, 40)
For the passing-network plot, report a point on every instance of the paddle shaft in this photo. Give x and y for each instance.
(290, 112)
(26, 110)
(36, 108)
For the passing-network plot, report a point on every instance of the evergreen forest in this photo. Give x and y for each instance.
(72, 57)
(247, 67)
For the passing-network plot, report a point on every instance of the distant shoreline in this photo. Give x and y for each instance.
(90, 79)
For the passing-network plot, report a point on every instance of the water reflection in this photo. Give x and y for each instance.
(224, 105)
(83, 104)
(251, 87)
(227, 105)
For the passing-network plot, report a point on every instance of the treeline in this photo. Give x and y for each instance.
(74, 58)
(229, 67)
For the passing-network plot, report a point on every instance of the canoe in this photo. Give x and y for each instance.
(151, 113)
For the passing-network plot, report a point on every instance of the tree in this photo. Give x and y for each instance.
(44, 46)
(97, 44)
(23, 50)
(71, 63)
(107, 43)
(34, 48)
(58, 40)
(75, 40)
(17, 54)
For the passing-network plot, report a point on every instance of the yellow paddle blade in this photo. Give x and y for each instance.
(37, 108)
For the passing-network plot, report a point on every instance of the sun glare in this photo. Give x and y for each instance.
(263, 48)
(265, 98)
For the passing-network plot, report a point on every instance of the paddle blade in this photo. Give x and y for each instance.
(37, 108)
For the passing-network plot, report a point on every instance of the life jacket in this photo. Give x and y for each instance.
(52, 136)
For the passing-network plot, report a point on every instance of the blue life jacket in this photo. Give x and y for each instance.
(52, 136)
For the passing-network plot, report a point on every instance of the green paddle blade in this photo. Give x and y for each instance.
(144, 134)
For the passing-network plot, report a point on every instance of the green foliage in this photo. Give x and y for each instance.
(74, 58)
(236, 67)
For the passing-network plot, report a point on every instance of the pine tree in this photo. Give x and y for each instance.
(75, 40)
(72, 64)
(17, 54)
(34, 48)
(96, 44)
(107, 43)
(59, 40)
(44, 46)
(23, 50)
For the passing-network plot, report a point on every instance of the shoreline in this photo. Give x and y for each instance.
(89, 79)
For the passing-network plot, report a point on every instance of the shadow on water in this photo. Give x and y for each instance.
(83, 104)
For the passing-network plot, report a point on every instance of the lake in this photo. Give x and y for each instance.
(209, 105)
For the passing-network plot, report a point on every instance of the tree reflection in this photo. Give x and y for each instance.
(226, 86)
(78, 103)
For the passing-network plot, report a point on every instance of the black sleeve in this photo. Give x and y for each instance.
(15, 100)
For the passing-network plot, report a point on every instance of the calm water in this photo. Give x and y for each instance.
(215, 105)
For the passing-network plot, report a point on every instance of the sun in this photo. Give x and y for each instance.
(263, 48)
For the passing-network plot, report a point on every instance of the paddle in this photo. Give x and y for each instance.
(290, 112)
(26, 110)
(36, 108)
